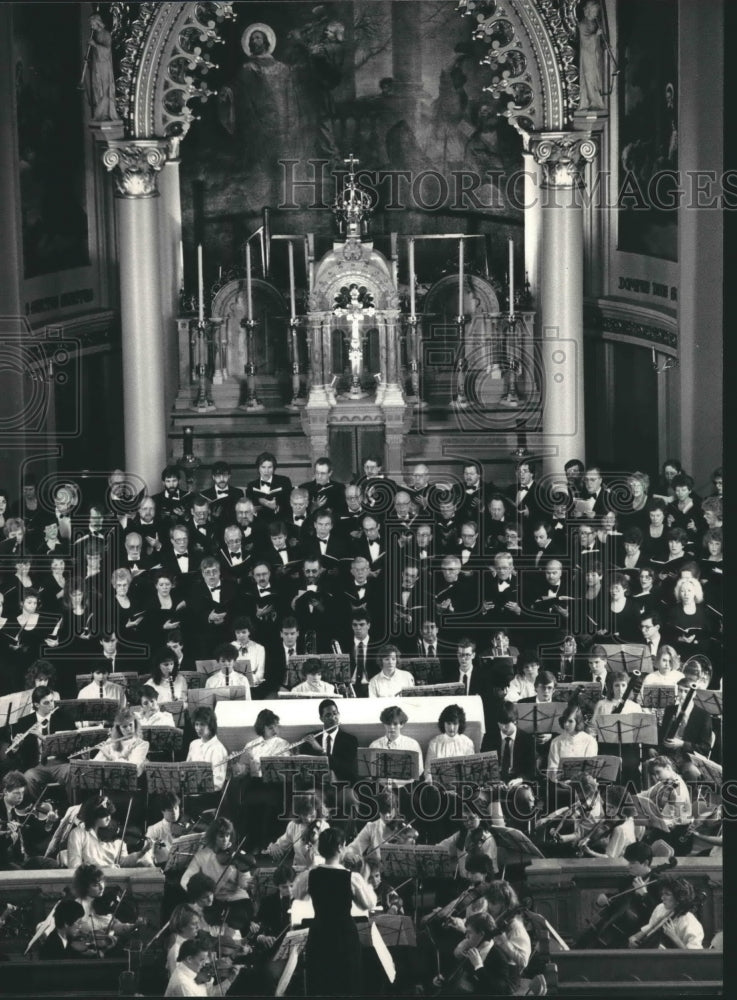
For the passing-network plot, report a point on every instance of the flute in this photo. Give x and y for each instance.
(34, 730)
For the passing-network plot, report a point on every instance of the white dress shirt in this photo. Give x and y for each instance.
(234, 680)
(382, 686)
(256, 656)
(214, 753)
(442, 746)
(164, 689)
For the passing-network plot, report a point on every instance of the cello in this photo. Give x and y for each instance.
(622, 916)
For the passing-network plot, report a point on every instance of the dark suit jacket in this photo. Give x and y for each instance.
(281, 488)
(333, 493)
(169, 563)
(28, 753)
(360, 547)
(523, 755)
(173, 509)
(53, 949)
(222, 509)
(698, 731)
(343, 757)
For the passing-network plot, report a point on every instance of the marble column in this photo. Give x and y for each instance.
(135, 164)
(561, 156)
(170, 270)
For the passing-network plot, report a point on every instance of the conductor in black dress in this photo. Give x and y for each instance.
(333, 950)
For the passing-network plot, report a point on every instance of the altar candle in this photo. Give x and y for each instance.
(200, 285)
(187, 440)
(292, 307)
(180, 276)
(249, 301)
(460, 278)
(411, 277)
(511, 277)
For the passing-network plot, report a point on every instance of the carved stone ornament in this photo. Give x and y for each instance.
(134, 165)
(562, 156)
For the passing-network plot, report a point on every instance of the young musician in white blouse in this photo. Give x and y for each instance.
(249, 651)
(681, 927)
(101, 687)
(126, 744)
(451, 741)
(166, 679)
(391, 680)
(149, 712)
(207, 746)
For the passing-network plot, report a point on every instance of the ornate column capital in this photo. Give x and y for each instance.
(134, 164)
(562, 156)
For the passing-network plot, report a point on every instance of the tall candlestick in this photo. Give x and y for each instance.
(292, 307)
(249, 301)
(200, 285)
(460, 277)
(180, 275)
(511, 277)
(187, 441)
(411, 277)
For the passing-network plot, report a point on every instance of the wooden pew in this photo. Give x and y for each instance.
(637, 972)
(35, 892)
(564, 890)
(77, 977)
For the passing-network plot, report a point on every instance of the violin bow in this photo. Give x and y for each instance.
(222, 799)
(122, 835)
(233, 853)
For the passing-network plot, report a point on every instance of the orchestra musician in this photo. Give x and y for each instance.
(219, 859)
(207, 746)
(674, 917)
(126, 744)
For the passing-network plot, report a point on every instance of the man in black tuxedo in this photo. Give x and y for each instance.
(326, 543)
(297, 520)
(545, 544)
(221, 496)
(265, 603)
(314, 605)
(252, 531)
(549, 600)
(694, 732)
(335, 743)
(501, 606)
(324, 492)
(376, 487)
(281, 552)
(350, 521)
(178, 558)
(420, 547)
(371, 545)
(467, 669)
(43, 721)
(524, 496)
(234, 558)
(595, 493)
(150, 526)
(172, 502)
(202, 532)
(474, 494)
(456, 595)
(447, 527)
(362, 593)
(410, 602)
(212, 602)
(269, 493)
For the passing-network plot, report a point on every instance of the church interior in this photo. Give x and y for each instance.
(370, 349)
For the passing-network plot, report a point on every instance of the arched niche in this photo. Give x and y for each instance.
(167, 52)
(271, 313)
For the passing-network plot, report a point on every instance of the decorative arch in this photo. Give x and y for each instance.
(167, 58)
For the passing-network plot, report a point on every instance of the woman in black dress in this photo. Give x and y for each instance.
(333, 951)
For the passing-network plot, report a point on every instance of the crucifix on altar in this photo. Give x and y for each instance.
(355, 303)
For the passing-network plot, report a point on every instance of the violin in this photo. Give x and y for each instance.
(43, 811)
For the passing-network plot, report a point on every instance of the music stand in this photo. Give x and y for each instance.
(626, 656)
(14, 707)
(384, 765)
(586, 693)
(206, 667)
(194, 680)
(658, 697)
(513, 846)
(539, 718)
(632, 727)
(125, 678)
(91, 709)
(188, 777)
(93, 775)
(263, 882)
(431, 690)
(603, 768)
(710, 772)
(396, 931)
(307, 694)
(478, 769)
(229, 693)
(710, 701)
(309, 770)
(163, 739)
(176, 709)
(336, 668)
(64, 744)
(423, 669)
(182, 851)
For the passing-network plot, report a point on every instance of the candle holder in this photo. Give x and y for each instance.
(296, 401)
(252, 402)
(189, 462)
(414, 363)
(511, 396)
(203, 400)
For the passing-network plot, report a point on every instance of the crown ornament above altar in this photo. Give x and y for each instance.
(352, 206)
